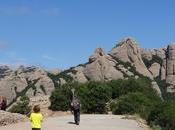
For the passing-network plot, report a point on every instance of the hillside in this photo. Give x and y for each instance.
(124, 60)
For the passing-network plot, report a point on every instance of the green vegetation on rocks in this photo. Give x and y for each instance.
(155, 59)
(22, 106)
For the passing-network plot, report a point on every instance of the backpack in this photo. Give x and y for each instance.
(75, 104)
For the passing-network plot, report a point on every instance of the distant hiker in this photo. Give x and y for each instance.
(36, 118)
(3, 103)
(75, 107)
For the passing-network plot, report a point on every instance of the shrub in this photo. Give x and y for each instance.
(163, 115)
(94, 96)
(122, 87)
(115, 86)
(22, 106)
(134, 103)
(60, 98)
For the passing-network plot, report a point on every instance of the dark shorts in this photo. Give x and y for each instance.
(36, 128)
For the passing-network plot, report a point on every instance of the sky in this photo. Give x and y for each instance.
(64, 33)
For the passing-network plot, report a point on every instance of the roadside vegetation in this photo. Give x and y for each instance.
(123, 96)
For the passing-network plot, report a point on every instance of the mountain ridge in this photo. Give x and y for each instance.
(125, 60)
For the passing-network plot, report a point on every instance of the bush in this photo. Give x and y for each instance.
(163, 115)
(94, 96)
(60, 99)
(134, 103)
(115, 86)
(122, 87)
(21, 106)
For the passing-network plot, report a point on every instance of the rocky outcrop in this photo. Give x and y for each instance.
(100, 67)
(155, 69)
(125, 60)
(149, 53)
(31, 81)
(157, 61)
(156, 87)
(55, 71)
(79, 75)
(128, 51)
(9, 118)
(170, 70)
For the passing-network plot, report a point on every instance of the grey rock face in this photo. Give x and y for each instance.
(79, 76)
(156, 87)
(163, 70)
(102, 67)
(155, 69)
(23, 81)
(148, 53)
(55, 71)
(170, 70)
(127, 50)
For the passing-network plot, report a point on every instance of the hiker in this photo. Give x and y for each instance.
(3, 103)
(75, 108)
(36, 118)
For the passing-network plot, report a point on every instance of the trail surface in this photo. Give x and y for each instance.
(88, 122)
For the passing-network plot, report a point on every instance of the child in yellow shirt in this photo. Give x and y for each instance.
(36, 118)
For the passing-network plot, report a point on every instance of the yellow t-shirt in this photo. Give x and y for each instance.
(36, 119)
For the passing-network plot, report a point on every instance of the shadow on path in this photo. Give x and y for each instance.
(72, 123)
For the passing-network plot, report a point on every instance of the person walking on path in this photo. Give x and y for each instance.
(75, 107)
(36, 118)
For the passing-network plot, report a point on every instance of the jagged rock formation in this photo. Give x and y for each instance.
(128, 51)
(55, 71)
(155, 60)
(31, 81)
(100, 67)
(125, 60)
(170, 70)
(161, 63)
(149, 53)
(155, 69)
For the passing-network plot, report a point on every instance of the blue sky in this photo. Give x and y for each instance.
(64, 33)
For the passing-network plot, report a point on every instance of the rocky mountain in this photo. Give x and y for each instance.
(30, 81)
(125, 60)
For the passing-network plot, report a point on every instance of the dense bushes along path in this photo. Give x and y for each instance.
(88, 122)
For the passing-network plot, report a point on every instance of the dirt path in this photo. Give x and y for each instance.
(88, 122)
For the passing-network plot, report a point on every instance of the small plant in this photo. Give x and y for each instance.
(22, 106)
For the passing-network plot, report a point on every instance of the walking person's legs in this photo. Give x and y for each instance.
(36, 129)
(77, 116)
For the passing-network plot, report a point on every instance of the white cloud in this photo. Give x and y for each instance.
(27, 10)
(11, 59)
(48, 58)
(15, 10)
